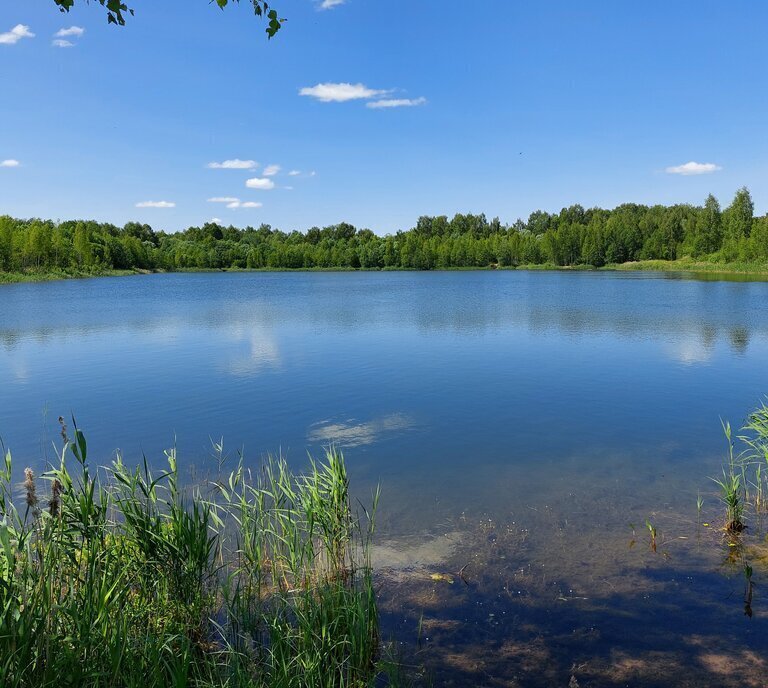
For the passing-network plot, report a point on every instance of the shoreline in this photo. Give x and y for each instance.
(751, 271)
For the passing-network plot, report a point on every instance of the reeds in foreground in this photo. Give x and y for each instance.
(126, 579)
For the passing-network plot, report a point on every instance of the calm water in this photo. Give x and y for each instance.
(518, 422)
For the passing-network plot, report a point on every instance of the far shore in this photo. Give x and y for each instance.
(754, 271)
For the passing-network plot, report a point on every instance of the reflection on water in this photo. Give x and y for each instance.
(518, 424)
(351, 433)
(260, 351)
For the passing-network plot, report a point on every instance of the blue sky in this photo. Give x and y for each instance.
(502, 107)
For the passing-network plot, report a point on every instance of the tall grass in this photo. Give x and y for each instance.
(121, 577)
(744, 482)
(732, 488)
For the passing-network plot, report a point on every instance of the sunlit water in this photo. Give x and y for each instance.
(518, 423)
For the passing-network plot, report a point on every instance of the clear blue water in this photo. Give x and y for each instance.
(551, 408)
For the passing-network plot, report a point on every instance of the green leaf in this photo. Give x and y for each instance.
(82, 449)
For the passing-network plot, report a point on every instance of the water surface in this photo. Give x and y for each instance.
(518, 422)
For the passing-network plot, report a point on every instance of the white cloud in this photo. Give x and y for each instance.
(155, 204)
(271, 170)
(312, 173)
(237, 203)
(395, 103)
(71, 31)
(694, 168)
(235, 164)
(330, 4)
(223, 199)
(10, 163)
(15, 35)
(61, 43)
(294, 173)
(260, 183)
(215, 221)
(340, 93)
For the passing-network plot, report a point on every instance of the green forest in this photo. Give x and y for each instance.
(573, 237)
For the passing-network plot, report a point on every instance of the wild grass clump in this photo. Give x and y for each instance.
(731, 486)
(744, 482)
(756, 456)
(123, 578)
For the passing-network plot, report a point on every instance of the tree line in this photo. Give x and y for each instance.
(574, 236)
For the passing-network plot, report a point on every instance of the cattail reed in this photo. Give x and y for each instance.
(54, 505)
(63, 429)
(30, 491)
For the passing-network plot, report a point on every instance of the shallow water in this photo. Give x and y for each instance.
(518, 423)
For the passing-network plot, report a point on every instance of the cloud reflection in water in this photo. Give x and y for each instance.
(352, 433)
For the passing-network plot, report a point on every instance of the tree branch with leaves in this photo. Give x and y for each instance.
(117, 11)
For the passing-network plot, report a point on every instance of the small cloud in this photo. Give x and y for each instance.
(340, 93)
(235, 164)
(76, 31)
(61, 43)
(155, 204)
(691, 168)
(214, 221)
(330, 4)
(294, 173)
(288, 188)
(223, 199)
(395, 103)
(261, 183)
(312, 173)
(271, 170)
(243, 204)
(10, 163)
(15, 35)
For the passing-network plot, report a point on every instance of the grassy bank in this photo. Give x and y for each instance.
(48, 276)
(123, 578)
(694, 266)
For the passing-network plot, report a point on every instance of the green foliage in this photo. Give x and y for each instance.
(127, 578)
(744, 483)
(117, 11)
(574, 237)
(731, 486)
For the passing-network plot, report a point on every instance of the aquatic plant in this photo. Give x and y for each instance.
(731, 493)
(652, 532)
(756, 440)
(732, 487)
(128, 578)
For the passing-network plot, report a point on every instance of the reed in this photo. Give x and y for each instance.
(732, 487)
(755, 438)
(122, 577)
(652, 533)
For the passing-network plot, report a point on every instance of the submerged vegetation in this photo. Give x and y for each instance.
(125, 578)
(698, 236)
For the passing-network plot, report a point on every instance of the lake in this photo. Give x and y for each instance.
(523, 427)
